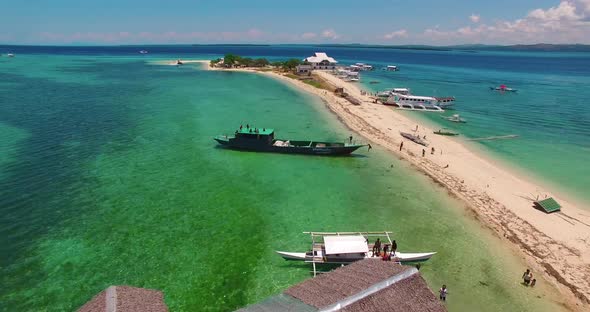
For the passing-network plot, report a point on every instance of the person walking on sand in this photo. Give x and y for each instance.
(393, 247)
(423, 152)
(443, 293)
(432, 151)
(401, 145)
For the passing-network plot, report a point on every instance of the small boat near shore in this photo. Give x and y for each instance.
(444, 131)
(414, 138)
(455, 118)
(262, 140)
(503, 88)
(347, 247)
(391, 68)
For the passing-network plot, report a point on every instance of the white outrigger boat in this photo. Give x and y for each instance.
(347, 247)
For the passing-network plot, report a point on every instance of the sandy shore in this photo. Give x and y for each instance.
(556, 244)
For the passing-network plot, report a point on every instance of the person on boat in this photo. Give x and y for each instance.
(241, 127)
(350, 139)
(393, 247)
(443, 293)
(247, 126)
(377, 247)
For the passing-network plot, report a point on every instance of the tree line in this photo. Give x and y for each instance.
(232, 60)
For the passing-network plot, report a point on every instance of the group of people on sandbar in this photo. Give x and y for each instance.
(387, 254)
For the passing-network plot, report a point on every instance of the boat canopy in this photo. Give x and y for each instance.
(252, 130)
(345, 244)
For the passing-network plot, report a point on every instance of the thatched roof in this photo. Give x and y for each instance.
(369, 285)
(126, 299)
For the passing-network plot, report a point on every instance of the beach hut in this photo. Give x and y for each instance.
(366, 285)
(548, 205)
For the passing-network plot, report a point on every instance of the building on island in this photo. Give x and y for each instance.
(304, 69)
(321, 60)
(367, 285)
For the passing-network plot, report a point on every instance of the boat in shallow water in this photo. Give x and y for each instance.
(455, 118)
(503, 88)
(347, 247)
(414, 138)
(445, 132)
(262, 140)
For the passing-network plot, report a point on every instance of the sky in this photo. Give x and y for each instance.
(390, 22)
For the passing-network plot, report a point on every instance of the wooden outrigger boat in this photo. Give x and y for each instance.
(444, 131)
(414, 138)
(347, 247)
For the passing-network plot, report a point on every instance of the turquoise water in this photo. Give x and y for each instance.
(110, 177)
(548, 113)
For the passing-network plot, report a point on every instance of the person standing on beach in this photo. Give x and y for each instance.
(423, 152)
(401, 145)
(393, 247)
(377, 247)
(432, 151)
(443, 293)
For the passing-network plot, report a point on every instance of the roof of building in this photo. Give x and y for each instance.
(549, 205)
(320, 56)
(126, 299)
(345, 244)
(252, 130)
(367, 285)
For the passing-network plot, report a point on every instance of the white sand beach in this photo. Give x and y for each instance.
(556, 244)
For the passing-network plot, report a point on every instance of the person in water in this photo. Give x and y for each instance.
(443, 293)
(527, 276)
(533, 282)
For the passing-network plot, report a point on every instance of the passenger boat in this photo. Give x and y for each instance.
(503, 88)
(455, 118)
(446, 132)
(414, 138)
(394, 91)
(347, 247)
(262, 140)
(391, 68)
(424, 103)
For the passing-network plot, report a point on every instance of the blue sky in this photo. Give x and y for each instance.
(436, 22)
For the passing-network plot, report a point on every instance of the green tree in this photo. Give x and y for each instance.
(291, 64)
(230, 60)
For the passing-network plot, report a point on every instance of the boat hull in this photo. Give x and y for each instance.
(327, 150)
(399, 256)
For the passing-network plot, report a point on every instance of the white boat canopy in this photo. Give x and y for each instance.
(345, 244)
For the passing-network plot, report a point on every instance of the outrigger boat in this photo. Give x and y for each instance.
(455, 118)
(445, 132)
(347, 247)
(262, 140)
(414, 138)
(503, 88)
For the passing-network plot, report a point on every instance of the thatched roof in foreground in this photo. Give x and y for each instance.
(367, 285)
(126, 299)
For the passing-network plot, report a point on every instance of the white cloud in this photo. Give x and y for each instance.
(330, 34)
(475, 18)
(567, 22)
(402, 33)
(308, 35)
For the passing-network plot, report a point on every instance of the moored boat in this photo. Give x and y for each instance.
(445, 132)
(347, 247)
(503, 88)
(455, 118)
(262, 140)
(414, 138)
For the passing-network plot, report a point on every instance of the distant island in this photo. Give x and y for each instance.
(539, 47)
